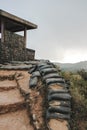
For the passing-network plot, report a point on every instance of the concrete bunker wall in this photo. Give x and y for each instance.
(13, 49)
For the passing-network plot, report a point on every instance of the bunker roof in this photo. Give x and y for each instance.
(14, 23)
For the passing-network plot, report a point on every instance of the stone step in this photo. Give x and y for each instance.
(18, 120)
(7, 85)
(11, 101)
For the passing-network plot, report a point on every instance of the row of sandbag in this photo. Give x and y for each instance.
(59, 104)
(59, 100)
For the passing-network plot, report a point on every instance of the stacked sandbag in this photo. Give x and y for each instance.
(34, 77)
(58, 97)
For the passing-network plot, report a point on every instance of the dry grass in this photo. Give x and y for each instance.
(78, 91)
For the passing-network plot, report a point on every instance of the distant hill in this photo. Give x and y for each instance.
(73, 66)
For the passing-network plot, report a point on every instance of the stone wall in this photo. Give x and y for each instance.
(14, 39)
(13, 49)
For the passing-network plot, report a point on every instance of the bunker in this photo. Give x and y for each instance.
(13, 45)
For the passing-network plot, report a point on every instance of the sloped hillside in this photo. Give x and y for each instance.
(73, 66)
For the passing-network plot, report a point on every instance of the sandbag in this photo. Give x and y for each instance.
(36, 74)
(32, 69)
(59, 96)
(41, 64)
(33, 82)
(54, 80)
(48, 71)
(45, 66)
(17, 67)
(57, 116)
(59, 109)
(52, 75)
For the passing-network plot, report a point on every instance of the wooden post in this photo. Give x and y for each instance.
(25, 35)
(2, 30)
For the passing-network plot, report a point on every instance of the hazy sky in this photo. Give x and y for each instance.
(62, 27)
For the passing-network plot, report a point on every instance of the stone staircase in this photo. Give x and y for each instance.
(33, 96)
(13, 110)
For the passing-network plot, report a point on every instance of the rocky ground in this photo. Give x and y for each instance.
(33, 96)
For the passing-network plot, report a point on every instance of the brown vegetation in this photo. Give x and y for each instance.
(78, 91)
